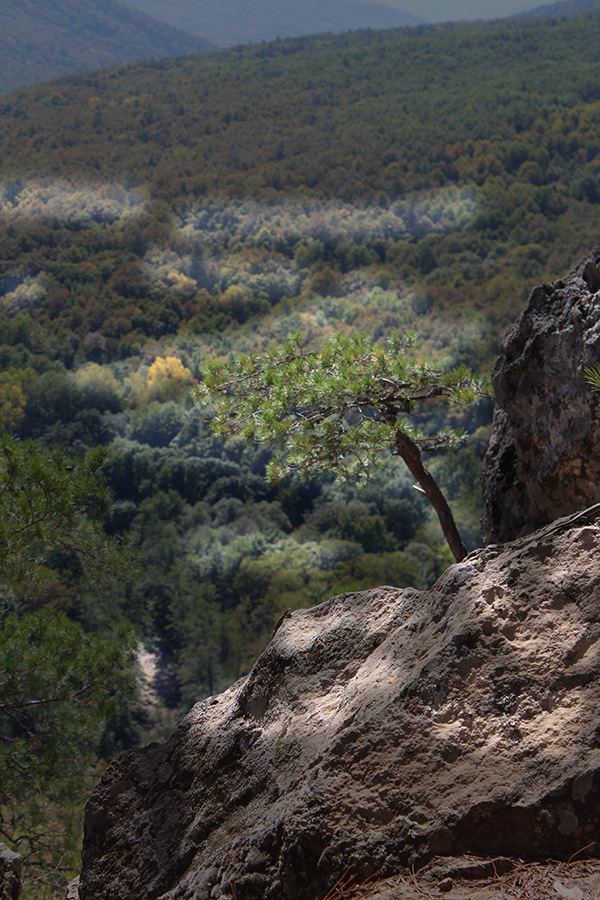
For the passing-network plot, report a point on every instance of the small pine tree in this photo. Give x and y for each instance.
(339, 409)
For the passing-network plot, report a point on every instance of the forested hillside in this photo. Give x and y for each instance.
(42, 39)
(160, 216)
(157, 216)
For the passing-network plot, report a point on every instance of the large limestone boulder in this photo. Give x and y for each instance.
(377, 730)
(544, 457)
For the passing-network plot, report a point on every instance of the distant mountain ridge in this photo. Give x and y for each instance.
(562, 8)
(43, 39)
(229, 22)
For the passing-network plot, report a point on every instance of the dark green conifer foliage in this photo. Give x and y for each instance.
(51, 502)
(58, 684)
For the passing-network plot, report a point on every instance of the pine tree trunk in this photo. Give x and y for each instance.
(411, 455)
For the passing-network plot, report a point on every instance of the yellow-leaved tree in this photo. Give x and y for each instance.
(167, 379)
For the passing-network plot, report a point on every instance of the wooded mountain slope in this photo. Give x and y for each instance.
(42, 39)
(353, 116)
(460, 160)
(157, 216)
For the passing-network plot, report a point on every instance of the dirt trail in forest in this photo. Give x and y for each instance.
(151, 710)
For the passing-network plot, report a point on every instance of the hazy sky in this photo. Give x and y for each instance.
(446, 10)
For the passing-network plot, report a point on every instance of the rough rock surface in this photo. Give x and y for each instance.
(543, 460)
(377, 730)
(10, 874)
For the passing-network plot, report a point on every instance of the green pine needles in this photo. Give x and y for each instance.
(59, 683)
(592, 376)
(52, 503)
(339, 409)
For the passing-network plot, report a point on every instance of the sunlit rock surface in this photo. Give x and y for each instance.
(377, 730)
(544, 458)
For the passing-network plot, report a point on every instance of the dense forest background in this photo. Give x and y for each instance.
(157, 217)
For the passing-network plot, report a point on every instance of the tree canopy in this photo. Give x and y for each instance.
(51, 503)
(58, 682)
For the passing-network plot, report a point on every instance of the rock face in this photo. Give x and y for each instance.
(10, 874)
(377, 730)
(544, 459)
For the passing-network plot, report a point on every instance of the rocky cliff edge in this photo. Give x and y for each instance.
(543, 459)
(377, 730)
